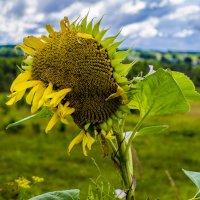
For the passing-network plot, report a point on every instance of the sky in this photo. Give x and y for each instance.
(145, 24)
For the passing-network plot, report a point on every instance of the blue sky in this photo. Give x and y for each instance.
(147, 24)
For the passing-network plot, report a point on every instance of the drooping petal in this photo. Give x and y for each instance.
(64, 121)
(68, 111)
(87, 142)
(21, 78)
(76, 140)
(47, 91)
(119, 92)
(38, 95)
(58, 96)
(84, 143)
(25, 85)
(31, 94)
(15, 97)
(90, 141)
(52, 122)
(110, 135)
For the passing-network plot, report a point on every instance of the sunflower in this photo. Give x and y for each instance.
(76, 72)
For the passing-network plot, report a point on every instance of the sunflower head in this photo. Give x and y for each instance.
(75, 71)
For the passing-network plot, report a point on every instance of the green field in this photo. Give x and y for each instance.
(27, 151)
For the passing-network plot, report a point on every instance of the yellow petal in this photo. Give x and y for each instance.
(55, 101)
(47, 91)
(44, 38)
(103, 132)
(63, 26)
(33, 42)
(110, 135)
(31, 94)
(68, 111)
(21, 78)
(85, 35)
(63, 111)
(84, 143)
(16, 97)
(76, 140)
(119, 92)
(38, 95)
(64, 121)
(24, 85)
(52, 122)
(50, 29)
(26, 49)
(59, 93)
(90, 141)
(58, 96)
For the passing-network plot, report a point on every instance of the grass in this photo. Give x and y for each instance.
(28, 151)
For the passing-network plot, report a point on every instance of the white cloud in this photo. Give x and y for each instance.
(132, 8)
(6, 7)
(163, 3)
(176, 2)
(31, 7)
(69, 11)
(97, 9)
(143, 29)
(18, 18)
(184, 33)
(14, 28)
(183, 12)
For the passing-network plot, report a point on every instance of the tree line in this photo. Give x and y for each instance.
(9, 60)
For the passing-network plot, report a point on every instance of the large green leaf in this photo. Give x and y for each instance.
(59, 195)
(151, 130)
(186, 86)
(45, 112)
(159, 94)
(195, 178)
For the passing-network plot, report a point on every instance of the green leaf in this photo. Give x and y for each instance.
(95, 30)
(59, 195)
(89, 27)
(151, 130)
(73, 24)
(83, 24)
(113, 47)
(123, 69)
(158, 94)
(100, 35)
(121, 54)
(45, 112)
(195, 178)
(186, 86)
(109, 40)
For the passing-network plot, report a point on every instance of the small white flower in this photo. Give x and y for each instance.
(120, 194)
(127, 135)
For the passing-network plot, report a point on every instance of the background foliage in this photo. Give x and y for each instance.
(27, 150)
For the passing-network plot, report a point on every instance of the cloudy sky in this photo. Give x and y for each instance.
(147, 24)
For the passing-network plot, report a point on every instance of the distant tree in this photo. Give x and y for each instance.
(8, 71)
(147, 55)
(196, 76)
(164, 59)
(188, 60)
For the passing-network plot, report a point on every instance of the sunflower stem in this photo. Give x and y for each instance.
(125, 162)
